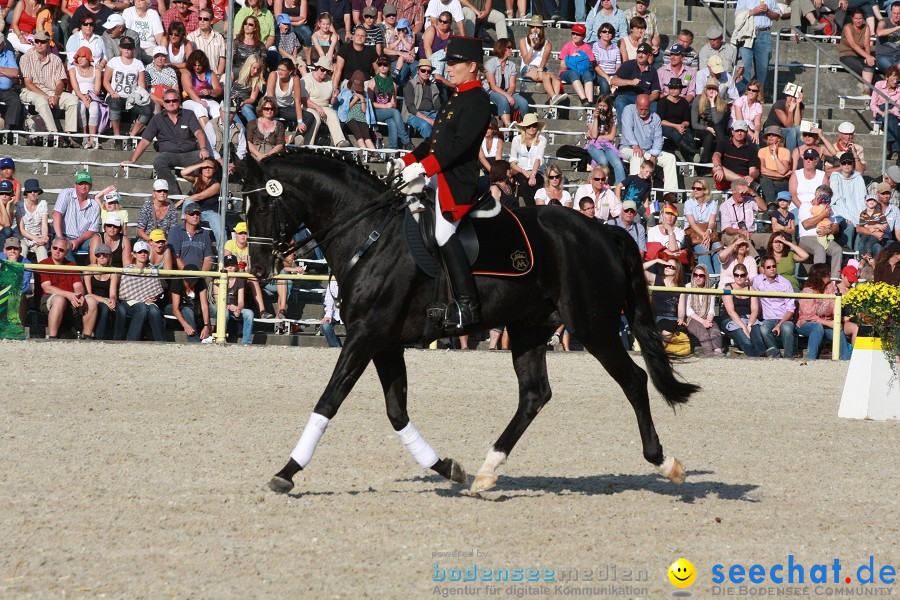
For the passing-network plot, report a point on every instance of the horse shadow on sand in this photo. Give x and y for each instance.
(525, 486)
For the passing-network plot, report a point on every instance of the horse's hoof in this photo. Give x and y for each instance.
(672, 470)
(483, 482)
(280, 485)
(457, 473)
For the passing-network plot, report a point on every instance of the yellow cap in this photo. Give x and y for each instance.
(240, 227)
(157, 235)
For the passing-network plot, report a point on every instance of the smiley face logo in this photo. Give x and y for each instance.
(682, 573)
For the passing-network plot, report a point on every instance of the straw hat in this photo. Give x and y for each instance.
(536, 21)
(530, 119)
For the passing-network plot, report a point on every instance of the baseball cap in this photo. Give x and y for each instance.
(382, 60)
(389, 9)
(83, 177)
(240, 227)
(370, 11)
(846, 127)
(112, 218)
(7, 163)
(847, 158)
(126, 42)
(33, 185)
(783, 196)
(12, 242)
(283, 19)
(810, 153)
(645, 49)
(102, 249)
(230, 260)
(883, 187)
(157, 235)
(6, 187)
(677, 49)
(141, 246)
(714, 32)
(740, 125)
(41, 35)
(579, 28)
(629, 204)
(893, 172)
(160, 50)
(670, 208)
(160, 184)
(715, 64)
(851, 273)
(113, 21)
(192, 208)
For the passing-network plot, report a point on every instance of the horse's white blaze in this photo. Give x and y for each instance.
(492, 462)
(309, 439)
(667, 466)
(417, 446)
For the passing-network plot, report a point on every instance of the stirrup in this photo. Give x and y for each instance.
(461, 314)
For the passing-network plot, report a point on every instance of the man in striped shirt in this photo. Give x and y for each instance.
(76, 216)
(45, 83)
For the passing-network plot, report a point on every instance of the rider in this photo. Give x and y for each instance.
(450, 159)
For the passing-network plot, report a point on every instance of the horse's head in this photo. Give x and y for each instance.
(262, 220)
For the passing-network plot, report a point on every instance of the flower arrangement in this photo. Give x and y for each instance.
(878, 305)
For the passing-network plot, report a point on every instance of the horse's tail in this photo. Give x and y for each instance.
(640, 315)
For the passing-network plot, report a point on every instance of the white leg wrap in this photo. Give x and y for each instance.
(418, 447)
(665, 469)
(309, 439)
(492, 462)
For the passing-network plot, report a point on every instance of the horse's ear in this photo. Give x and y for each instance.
(249, 170)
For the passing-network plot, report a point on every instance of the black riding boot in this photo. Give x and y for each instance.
(466, 310)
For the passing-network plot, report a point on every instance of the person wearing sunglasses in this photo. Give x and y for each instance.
(777, 314)
(421, 99)
(699, 313)
(554, 189)
(741, 318)
(665, 272)
(45, 81)
(60, 293)
(604, 11)
(208, 40)
(13, 252)
(444, 13)
(606, 204)
(500, 82)
(265, 20)
(86, 36)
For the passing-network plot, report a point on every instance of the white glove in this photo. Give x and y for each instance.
(396, 167)
(414, 178)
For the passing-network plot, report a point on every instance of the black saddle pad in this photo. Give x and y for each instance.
(496, 246)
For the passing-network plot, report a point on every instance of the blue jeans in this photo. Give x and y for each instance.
(602, 86)
(304, 34)
(188, 313)
(892, 131)
(883, 62)
(502, 104)
(70, 255)
(710, 261)
(421, 125)
(396, 128)
(759, 55)
(569, 76)
(770, 340)
(580, 11)
(140, 313)
(791, 137)
(330, 336)
(248, 112)
(751, 346)
(867, 244)
(246, 321)
(214, 220)
(815, 332)
(557, 8)
(611, 159)
(103, 315)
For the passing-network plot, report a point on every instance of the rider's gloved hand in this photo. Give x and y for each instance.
(414, 178)
(396, 167)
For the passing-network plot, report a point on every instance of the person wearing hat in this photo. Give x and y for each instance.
(7, 204)
(872, 233)
(716, 45)
(163, 77)
(160, 252)
(114, 29)
(715, 71)
(526, 157)
(848, 199)
(774, 163)
(34, 226)
(401, 48)
(113, 236)
(421, 99)
(76, 215)
(535, 50)
(479, 12)
(675, 115)
(626, 220)
(86, 36)
(191, 243)
(604, 11)
(239, 248)
(735, 158)
(210, 41)
(122, 78)
(157, 212)
(374, 32)
(45, 81)
(635, 77)
(13, 115)
(383, 92)
(813, 139)
(318, 86)
(109, 202)
(575, 61)
(13, 252)
(641, 140)
(358, 110)
(450, 158)
(845, 143)
(104, 289)
(676, 69)
(893, 185)
(884, 191)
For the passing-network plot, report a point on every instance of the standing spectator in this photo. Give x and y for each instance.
(709, 121)
(45, 82)
(535, 51)
(686, 41)
(421, 100)
(575, 65)
(157, 212)
(759, 50)
(748, 108)
(140, 295)
(715, 71)
(146, 22)
(735, 158)
(209, 41)
(10, 89)
(383, 92)
(675, 115)
(677, 69)
(774, 164)
(59, 291)
(234, 302)
(738, 216)
(887, 44)
(605, 11)
(634, 78)
(817, 231)
(601, 134)
(34, 227)
(76, 216)
(527, 156)
(890, 87)
(123, 77)
(500, 82)
(849, 198)
(190, 243)
(716, 46)
(787, 113)
(699, 313)
(606, 205)
(607, 58)
(855, 49)
(626, 220)
(86, 37)
(700, 212)
(845, 143)
(332, 314)
(777, 313)
(181, 139)
(181, 13)
(641, 139)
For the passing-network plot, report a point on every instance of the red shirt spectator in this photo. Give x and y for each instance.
(63, 280)
(181, 11)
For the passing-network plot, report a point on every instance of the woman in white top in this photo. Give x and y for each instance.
(636, 36)
(536, 51)
(749, 108)
(85, 80)
(145, 22)
(179, 47)
(698, 311)
(700, 214)
(34, 224)
(491, 146)
(527, 157)
(738, 253)
(553, 190)
(667, 232)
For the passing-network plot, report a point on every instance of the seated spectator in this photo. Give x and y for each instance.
(383, 92)
(774, 164)
(205, 39)
(845, 143)
(140, 295)
(709, 120)
(111, 202)
(777, 313)
(119, 245)
(438, 11)
(12, 252)
(641, 139)
(604, 11)
(504, 189)
(332, 314)
(748, 108)
(786, 255)
(265, 135)
(741, 319)
(76, 216)
(482, 14)
(157, 212)
(491, 146)
(606, 204)
(10, 88)
(250, 85)
(359, 114)
(818, 228)
(787, 113)
(206, 182)
(807, 13)
(87, 85)
(421, 100)
(637, 188)
(642, 9)
(782, 219)
(886, 268)
(352, 57)
(374, 32)
(626, 220)
(635, 78)
(848, 200)
(816, 316)
(813, 139)
(104, 289)
(286, 41)
(535, 51)
(500, 82)
(59, 292)
(700, 213)
(160, 252)
(891, 212)
(872, 230)
(667, 273)
(7, 205)
(247, 43)
(181, 13)
(22, 25)
(161, 77)
(700, 314)
(190, 244)
(554, 189)
(147, 23)
(855, 49)
(637, 29)
(575, 65)
(86, 36)
(527, 157)
(45, 81)
(240, 248)
(715, 72)
(736, 158)
(890, 88)
(735, 254)
(8, 173)
(607, 58)
(124, 75)
(887, 42)
(669, 235)
(686, 41)
(675, 115)
(190, 305)
(716, 46)
(285, 87)
(34, 227)
(179, 48)
(204, 92)
(234, 302)
(601, 134)
(678, 69)
(317, 89)
(95, 8)
(401, 49)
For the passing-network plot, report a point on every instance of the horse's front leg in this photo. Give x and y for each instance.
(354, 358)
(392, 372)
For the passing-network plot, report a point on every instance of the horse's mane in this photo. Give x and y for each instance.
(316, 156)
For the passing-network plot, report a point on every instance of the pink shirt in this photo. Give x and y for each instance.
(817, 310)
(876, 104)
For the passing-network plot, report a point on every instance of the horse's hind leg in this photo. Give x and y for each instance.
(529, 351)
(392, 372)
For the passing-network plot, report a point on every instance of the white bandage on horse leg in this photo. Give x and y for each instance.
(309, 439)
(492, 462)
(418, 447)
(667, 466)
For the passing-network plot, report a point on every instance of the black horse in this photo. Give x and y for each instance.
(585, 275)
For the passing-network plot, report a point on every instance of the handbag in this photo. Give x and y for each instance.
(578, 62)
(697, 239)
(679, 344)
